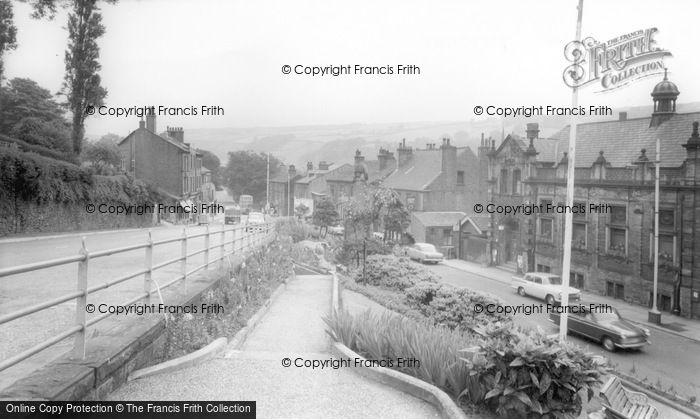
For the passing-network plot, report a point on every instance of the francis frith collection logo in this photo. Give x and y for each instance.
(615, 63)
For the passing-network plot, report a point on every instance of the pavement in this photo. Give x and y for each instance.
(675, 325)
(292, 328)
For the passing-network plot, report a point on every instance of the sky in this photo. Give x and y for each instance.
(230, 53)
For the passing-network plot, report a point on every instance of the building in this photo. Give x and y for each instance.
(167, 162)
(437, 228)
(612, 246)
(437, 178)
(282, 190)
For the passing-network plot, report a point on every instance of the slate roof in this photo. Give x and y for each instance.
(439, 219)
(163, 137)
(418, 172)
(622, 141)
(343, 173)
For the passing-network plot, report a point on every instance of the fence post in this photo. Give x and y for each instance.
(223, 249)
(183, 257)
(206, 249)
(149, 267)
(80, 303)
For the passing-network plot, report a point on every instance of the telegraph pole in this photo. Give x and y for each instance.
(568, 216)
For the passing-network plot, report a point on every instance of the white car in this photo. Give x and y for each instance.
(424, 252)
(544, 286)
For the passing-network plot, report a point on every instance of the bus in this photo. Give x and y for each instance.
(246, 203)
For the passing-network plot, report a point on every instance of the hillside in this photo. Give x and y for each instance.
(337, 143)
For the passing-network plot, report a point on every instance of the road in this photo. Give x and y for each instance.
(23, 290)
(671, 360)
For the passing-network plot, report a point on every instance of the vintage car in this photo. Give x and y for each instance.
(232, 215)
(544, 286)
(255, 222)
(604, 325)
(424, 253)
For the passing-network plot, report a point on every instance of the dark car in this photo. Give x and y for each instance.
(603, 324)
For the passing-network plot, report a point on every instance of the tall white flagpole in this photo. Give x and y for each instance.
(571, 170)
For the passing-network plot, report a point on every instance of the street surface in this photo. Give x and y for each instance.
(23, 290)
(670, 359)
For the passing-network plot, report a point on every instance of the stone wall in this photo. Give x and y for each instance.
(30, 217)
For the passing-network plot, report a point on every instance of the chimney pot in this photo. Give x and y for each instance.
(623, 116)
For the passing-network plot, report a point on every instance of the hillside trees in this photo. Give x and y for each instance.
(246, 174)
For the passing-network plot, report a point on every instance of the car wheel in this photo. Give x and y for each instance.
(521, 291)
(608, 344)
(549, 299)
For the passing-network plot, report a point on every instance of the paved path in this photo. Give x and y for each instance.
(293, 328)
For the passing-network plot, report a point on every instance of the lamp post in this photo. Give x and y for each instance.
(654, 313)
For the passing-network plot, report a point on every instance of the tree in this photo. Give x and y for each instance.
(211, 162)
(246, 174)
(103, 155)
(301, 210)
(24, 98)
(82, 83)
(378, 205)
(324, 215)
(8, 32)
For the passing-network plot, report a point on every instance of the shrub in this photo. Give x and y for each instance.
(453, 307)
(395, 273)
(295, 229)
(525, 374)
(390, 336)
(351, 252)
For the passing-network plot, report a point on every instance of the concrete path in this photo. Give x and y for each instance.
(292, 328)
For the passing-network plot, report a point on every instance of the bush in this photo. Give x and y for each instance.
(351, 252)
(395, 273)
(390, 336)
(295, 229)
(452, 306)
(524, 374)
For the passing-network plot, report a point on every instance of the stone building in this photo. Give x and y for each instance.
(612, 246)
(167, 162)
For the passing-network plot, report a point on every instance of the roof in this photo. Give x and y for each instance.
(418, 172)
(622, 141)
(343, 173)
(170, 140)
(439, 219)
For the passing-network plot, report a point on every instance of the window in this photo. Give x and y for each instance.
(615, 290)
(543, 268)
(667, 248)
(579, 215)
(516, 182)
(617, 240)
(537, 280)
(578, 236)
(460, 177)
(546, 227)
(618, 215)
(666, 220)
(576, 280)
(504, 182)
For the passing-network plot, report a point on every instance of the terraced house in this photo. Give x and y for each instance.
(612, 249)
(168, 163)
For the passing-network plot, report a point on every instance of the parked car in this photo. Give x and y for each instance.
(254, 222)
(337, 230)
(604, 325)
(424, 253)
(544, 286)
(232, 215)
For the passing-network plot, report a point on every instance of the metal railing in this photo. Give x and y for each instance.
(244, 238)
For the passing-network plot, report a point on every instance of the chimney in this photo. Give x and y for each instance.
(142, 123)
(359, 158)
(309, 166)
(623, 116)
(322, 165)
(533, 130)
(177, 133)
(449, 161)
(692, 160)
(151, 122)
(292, 171)
(405, 153)
(384, 156)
